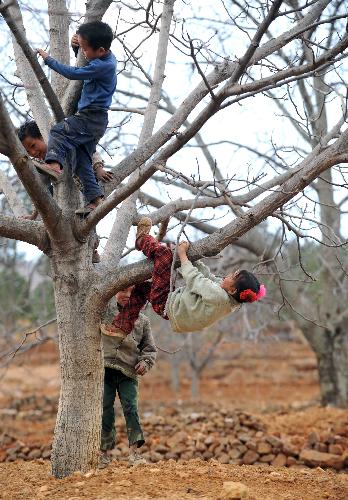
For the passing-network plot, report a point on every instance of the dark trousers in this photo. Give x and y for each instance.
(127, 390)
(155, 292)
(75, 139)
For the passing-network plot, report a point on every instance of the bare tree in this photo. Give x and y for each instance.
(81, 289)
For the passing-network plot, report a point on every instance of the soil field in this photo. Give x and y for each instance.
(274, 386)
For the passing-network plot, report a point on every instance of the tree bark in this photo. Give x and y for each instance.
(331, 353)
(59, 41)
(194, 383)
(78, 425)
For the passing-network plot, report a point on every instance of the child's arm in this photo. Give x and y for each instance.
(94, 69)
(75, 44)
(148, 351)
(202, 268)
(196, 282)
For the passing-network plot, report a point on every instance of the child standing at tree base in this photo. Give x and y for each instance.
(203, 300)
(124, 360)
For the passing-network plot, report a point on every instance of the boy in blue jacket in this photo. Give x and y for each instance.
(78, 135)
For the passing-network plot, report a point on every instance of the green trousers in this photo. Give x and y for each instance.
(127, 390)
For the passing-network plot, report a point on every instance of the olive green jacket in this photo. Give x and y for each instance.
(201, 302)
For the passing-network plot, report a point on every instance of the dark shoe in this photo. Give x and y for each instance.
(95, 257)
(104, 460)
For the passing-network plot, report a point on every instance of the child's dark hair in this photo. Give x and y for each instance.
(29, 129)
(97, 34)
(247, 287)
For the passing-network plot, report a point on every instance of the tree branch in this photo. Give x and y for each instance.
(32, 59)
(32, 232)
(42, 199)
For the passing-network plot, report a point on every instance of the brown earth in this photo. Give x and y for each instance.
(170, 480)
(276, 383)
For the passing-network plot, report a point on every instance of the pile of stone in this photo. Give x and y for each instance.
(33, 407)
(231, 437)
(12, 449)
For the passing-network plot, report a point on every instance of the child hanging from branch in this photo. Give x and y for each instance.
(203, 300)
(79, 134)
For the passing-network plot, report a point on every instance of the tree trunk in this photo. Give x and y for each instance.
(194, 384)
(175, 374)
(78, 425)
(331, 353)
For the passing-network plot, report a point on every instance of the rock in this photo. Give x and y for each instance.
(251, 445)
(317, 458)
(8, 412)
(321, 447)
(125, 483)
(264, 448)
(279, 460)
(12, 451)
(233, 491)
(89, 474)
(242, 448)
(267, 458)
(234, 453)
(46, 454)
(250, 457)
(43, 488)
(200, 446)
(207, 455)
(336, 449)
(274, 441)
(275, 476)
(290, 461)
(224, 458)
(161, 448)
(6, 439)
(244, 438)
(290, 450)
(209, 440)
(155, 457)
(312, 439)
(35, 453)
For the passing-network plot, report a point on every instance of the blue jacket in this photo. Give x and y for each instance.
(99, 77)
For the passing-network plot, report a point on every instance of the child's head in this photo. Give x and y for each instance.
(123, 296)
(31, 138)
(243, 286)
(95, 39)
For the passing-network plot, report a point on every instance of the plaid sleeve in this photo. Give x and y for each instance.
(126, 318)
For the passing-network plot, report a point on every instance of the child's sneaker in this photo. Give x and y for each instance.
(135, 458)
(104, 460)
(144, 228)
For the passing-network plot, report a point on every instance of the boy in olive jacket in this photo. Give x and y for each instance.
(124, 359)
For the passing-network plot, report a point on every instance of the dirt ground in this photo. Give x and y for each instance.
(276, 383)
(170, 480)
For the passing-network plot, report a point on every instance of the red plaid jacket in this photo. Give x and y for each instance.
(128, 314)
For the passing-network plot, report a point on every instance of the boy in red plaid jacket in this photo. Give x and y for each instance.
(203, 300)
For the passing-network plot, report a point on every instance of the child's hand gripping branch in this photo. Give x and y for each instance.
(182, 251)
(42, 53)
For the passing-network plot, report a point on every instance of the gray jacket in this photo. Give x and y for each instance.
(124, 353)
(200, 302)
